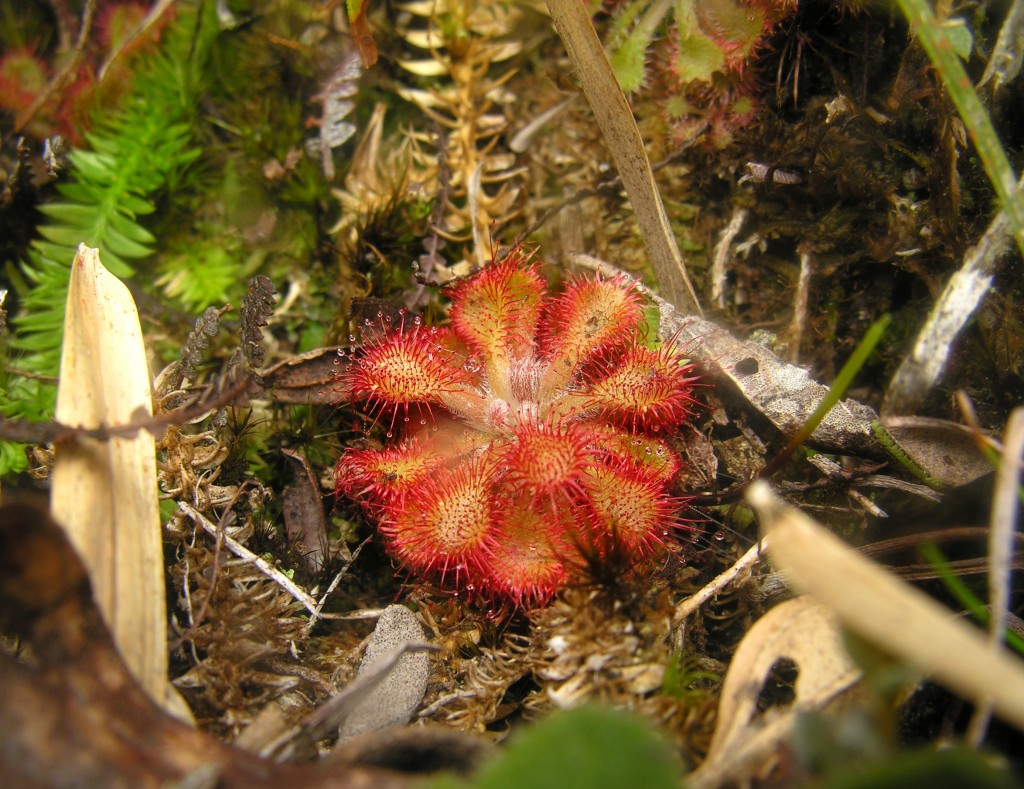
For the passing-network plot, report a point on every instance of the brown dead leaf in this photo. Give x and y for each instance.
(75, 716)
(947, 452)
(306, 379)
(303, 509)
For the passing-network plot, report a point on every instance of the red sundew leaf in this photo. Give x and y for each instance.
(383, 476)
(735, 28)
(546, 459)
(23, 76)
(407, 368)
(527, 561)
(496, 313)
(655, 455)
(631, 506)
(644, 389)
(739, 29)
(590, 316)
(445, 524)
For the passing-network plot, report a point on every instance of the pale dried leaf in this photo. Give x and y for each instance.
(898, 617)
(397, 694)
(423, 99)
(1002, 525)
(1005, 61)
(423, 68)
(928, 358)
(430, 38)
(104, 492)
(788, 396)
(505, 50)
(784, 393)
(800, 631)
(947, 452)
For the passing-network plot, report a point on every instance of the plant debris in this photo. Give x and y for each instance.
(751, 210)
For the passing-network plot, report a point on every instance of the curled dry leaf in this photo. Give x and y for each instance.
(306, 379)
(784, 393)
(797, 630)
(303, 510)
(941, 453)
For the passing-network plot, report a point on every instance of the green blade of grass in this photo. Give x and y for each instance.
(963, 595)
(937, 42)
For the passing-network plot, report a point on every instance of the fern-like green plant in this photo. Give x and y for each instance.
(135, 154)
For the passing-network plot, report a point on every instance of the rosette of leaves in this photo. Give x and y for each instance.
(692, 58)
(527, 439)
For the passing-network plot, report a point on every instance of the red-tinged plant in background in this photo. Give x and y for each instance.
(76, 95)
(526, 438)
(694, 59)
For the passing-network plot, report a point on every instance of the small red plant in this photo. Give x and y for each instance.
(526, 437)
(708, 75)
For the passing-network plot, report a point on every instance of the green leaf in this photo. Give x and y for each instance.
(93, 166)
(587, 748)
(950, 768)
(80, 192)
(36, 342)
(13, 459)
(67, 235)
(128, 238)
(629, 61)
(135, 206)
(71, 213)
(137, 153)
(959, 35)
(355, 8)
(54, 254)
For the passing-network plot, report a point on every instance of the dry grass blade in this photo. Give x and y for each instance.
(104, 492)
(1001, 529)
(739, 569)
(875, 604)
(1000, 549)
(261, 564)
(627, 147)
